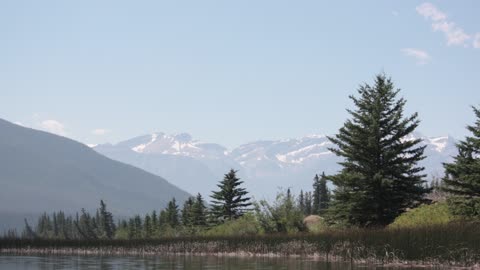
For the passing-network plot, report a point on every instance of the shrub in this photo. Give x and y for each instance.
(433, 214)
(245, 225)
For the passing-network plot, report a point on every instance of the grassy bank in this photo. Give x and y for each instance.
(453, 244)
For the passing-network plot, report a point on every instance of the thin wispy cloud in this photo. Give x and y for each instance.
(100, 131)
(454, 34)
(421, 57)
(431, 12)
(53, 126)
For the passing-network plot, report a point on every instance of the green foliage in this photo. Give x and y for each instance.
(424, 215)
(231, 201)
(106, 224)
(317, 226)
(187, 212)
(462, 179)
(283, 216)
(321, 195)
(380, 178)
(199, 211)
(172, 214)
(305, 203)
(243, 226)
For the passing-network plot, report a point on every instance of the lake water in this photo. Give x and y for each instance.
(163, 263)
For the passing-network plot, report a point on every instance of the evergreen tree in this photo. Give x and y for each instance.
(231, 201)
(163, 218)
(324, 194)
(106, 221)
(28, 232)
(199, 211)
(154, 220)
(316, 195)
(55, 225)
(172, 214)
(462, 178)
(308, 203)
(137, 227)
(187, 212)
(380, 178)
(301, 202)
(148, 227)
(131, 229)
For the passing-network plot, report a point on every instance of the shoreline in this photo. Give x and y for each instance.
(153, 251)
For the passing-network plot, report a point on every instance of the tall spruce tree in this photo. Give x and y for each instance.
(231, 201)
(380, 178)
(462, 177)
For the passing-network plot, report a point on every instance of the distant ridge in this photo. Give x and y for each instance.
(264, 165)
(40, 172)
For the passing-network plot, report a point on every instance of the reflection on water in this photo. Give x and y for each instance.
(162, 263)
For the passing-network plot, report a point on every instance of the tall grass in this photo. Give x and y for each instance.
(450, 244)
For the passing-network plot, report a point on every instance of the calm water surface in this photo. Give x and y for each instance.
(162, 263)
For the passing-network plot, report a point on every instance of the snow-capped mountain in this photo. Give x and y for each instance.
(264, 165)
(192, 164)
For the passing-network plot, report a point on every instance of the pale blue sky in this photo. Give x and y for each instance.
(232, 71)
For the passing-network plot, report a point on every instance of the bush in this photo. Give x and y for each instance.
(245, 225)
(315, 224)
(283, 216)
(425, 215)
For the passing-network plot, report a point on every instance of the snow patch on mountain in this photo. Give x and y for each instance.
(198, 166)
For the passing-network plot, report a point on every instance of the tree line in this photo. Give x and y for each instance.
(380, 179)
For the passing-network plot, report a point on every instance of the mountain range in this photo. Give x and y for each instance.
(40, 171)
(265, 165)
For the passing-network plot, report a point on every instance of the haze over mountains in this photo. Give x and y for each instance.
(265, 166)
(40, 171)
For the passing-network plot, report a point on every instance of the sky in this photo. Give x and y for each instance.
(232, 72)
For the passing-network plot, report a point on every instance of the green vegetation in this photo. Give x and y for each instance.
(462, 179)
(380, 178)
(451, 245)
(283, 216)
(247, 225)
(230, 202)
(425, 215)
(380, 209)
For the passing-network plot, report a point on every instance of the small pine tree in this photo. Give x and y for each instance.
(231, 201)
(187, 212)
(148, 227)
(107, 224)
(199, 211)
(138, 227)
(324, 194)
(462, 178)
(154, 220)
(316, 195)
(28, 232)
(172, 212)
(308, 204)
(131, 229)
(301, 202)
